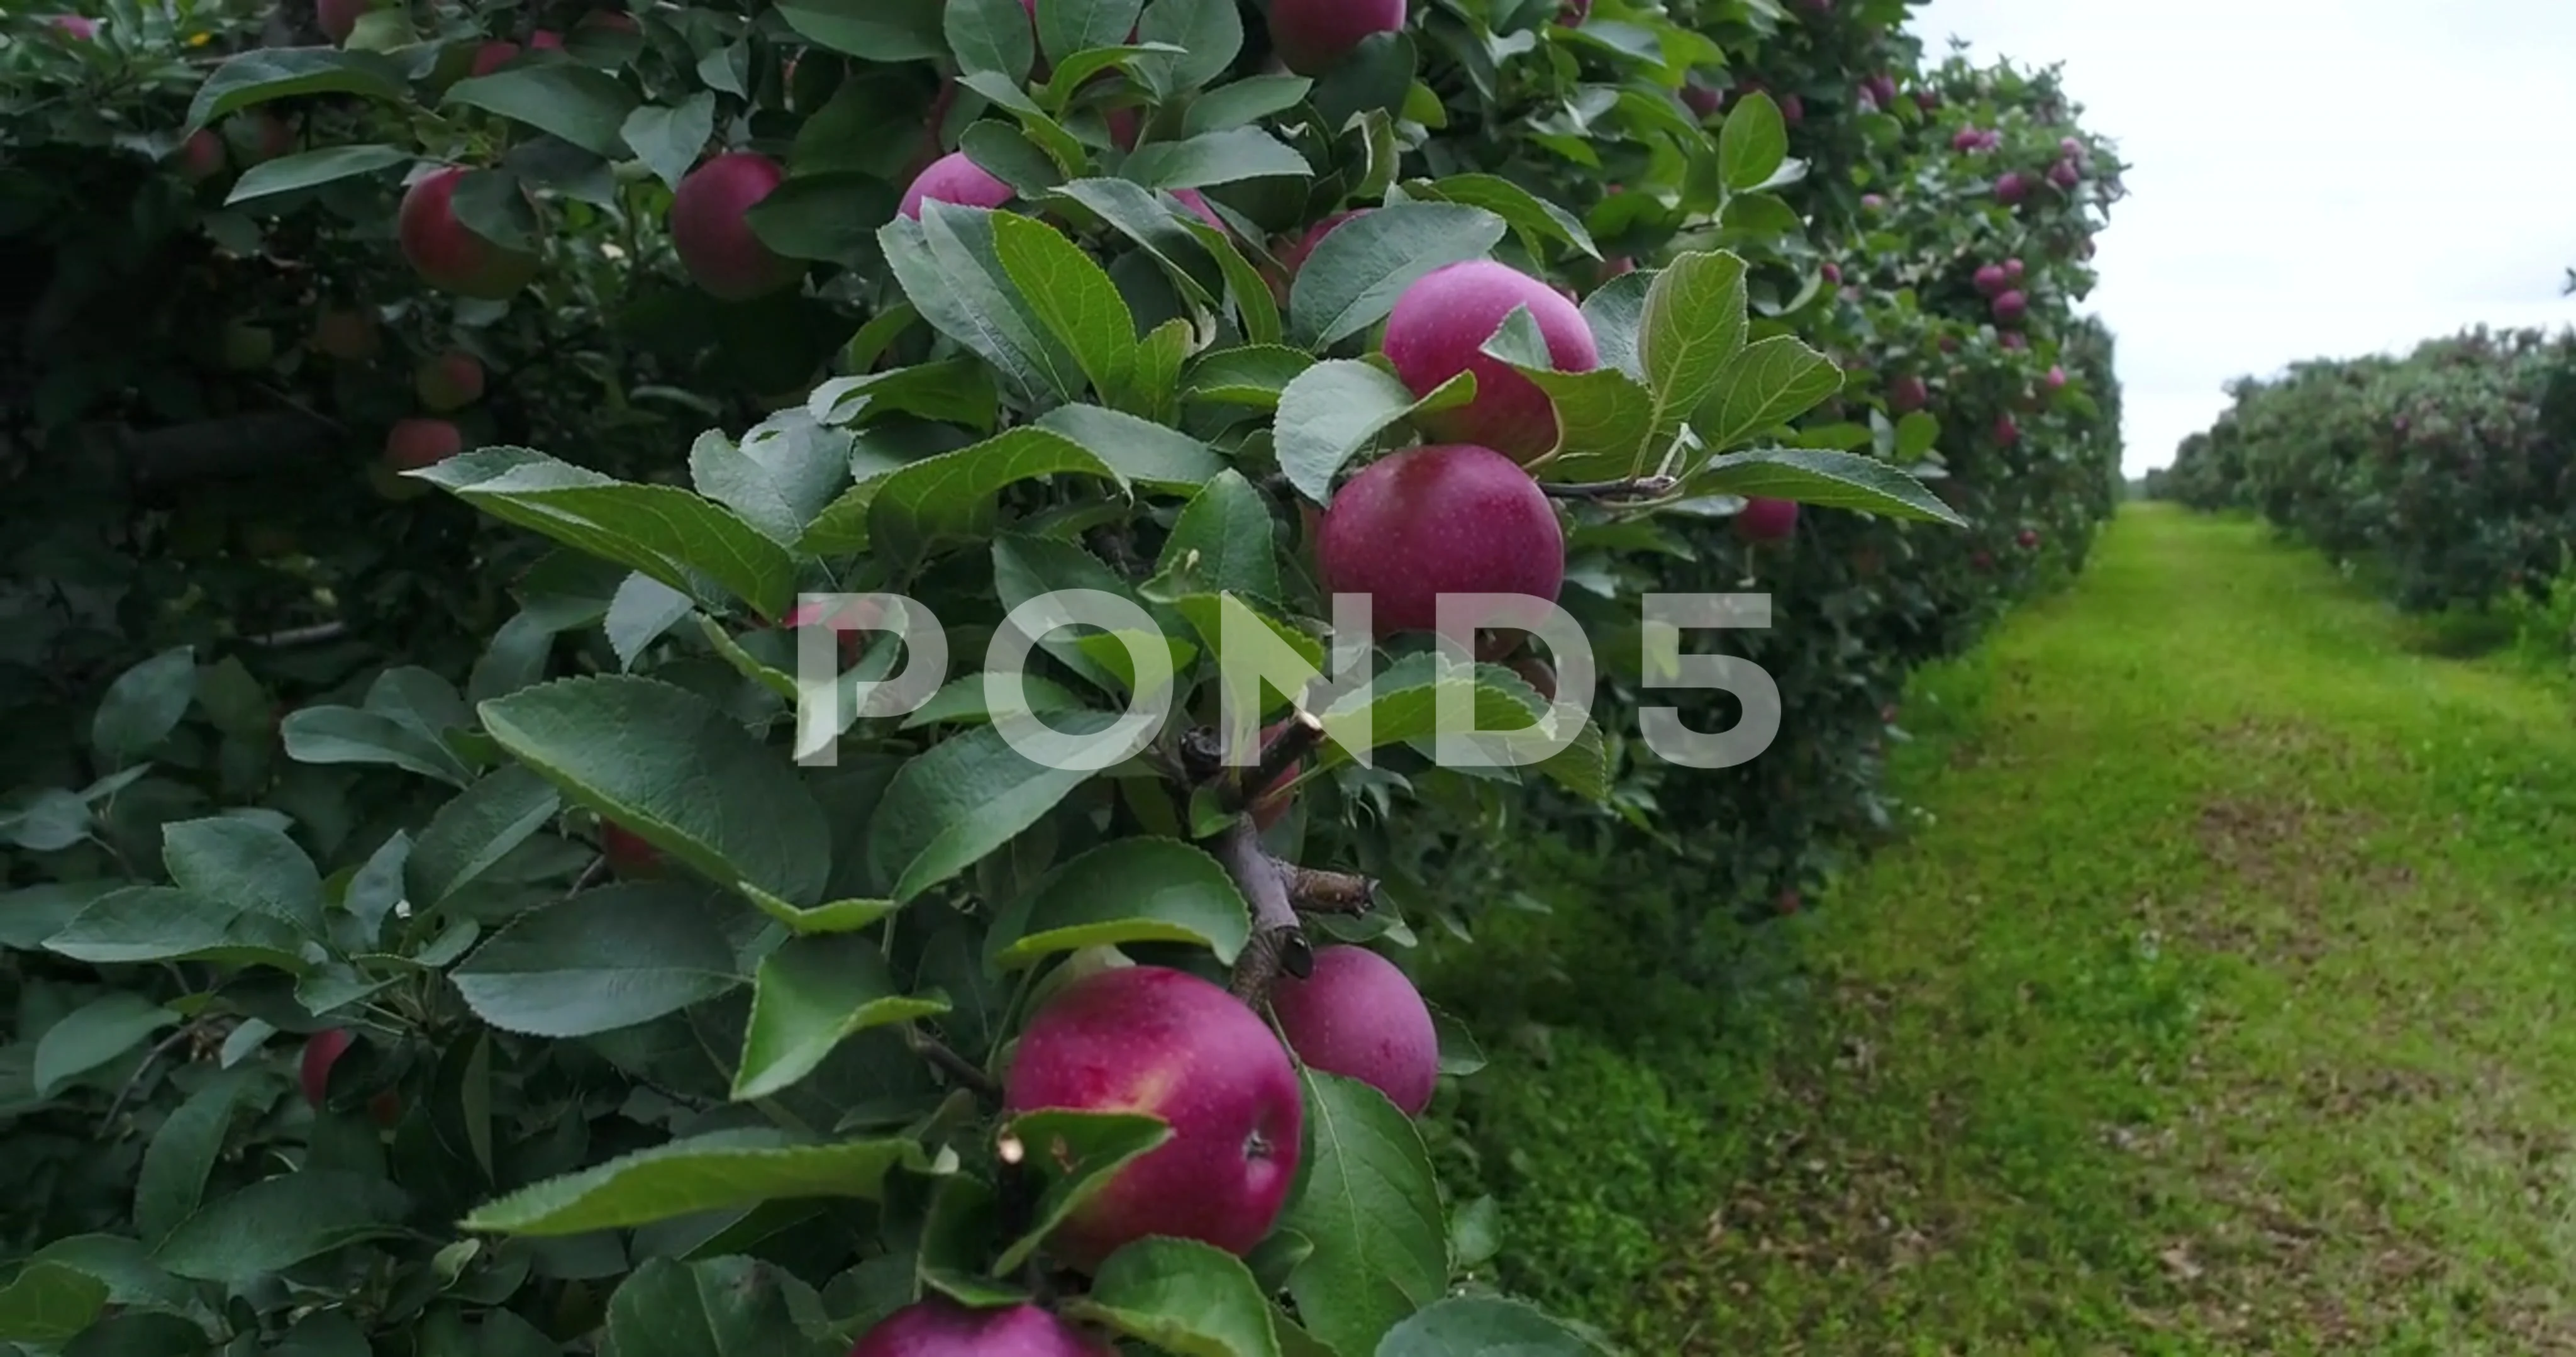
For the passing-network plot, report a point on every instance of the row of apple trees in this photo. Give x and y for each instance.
(550, 794)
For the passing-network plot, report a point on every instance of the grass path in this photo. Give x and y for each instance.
(2224, 1006)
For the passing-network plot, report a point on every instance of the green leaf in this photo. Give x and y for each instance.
(669, 139)
(172, 1181)
(1244, 101)
(833, 218)
(713, 1307)
(1068, 291)
(872, 30)
(1524, 211)
(472, 833)
(48, 1303)
(350, 735)
(953, 391)
(643, 611)
(275, 1223)
(812, 993)
(1692, 330)
(1069, 26)
(1616, 311)
(1338, 407)
(951, 268)
(948, 499)
(1131, 890)
(157, 923)
(1915, 435)
(991, 35)
(1482, 1325)
(1155, 223)
(246, 865)
(133, 1279)
(312, 169)
(1133, 449)
(1765, 384)
(1253, 300)
(266, 73)
(711, 1172)
(1372, 1207)
(1208, 34)
(51, 821)
(675, 769)
(1224, 541)
(93, 1034)
(779, 476)
(832, 916)
(1211, 158)
(1252, 374)
(1355, 274)
(681, 539)
(1606, 420)
(965, 797)
(1183, 1297)
(606, 958)
(975, 697)
(580, 105)
(1076, 1154)
(144, 705)
(1835, 480)
(1752, 143)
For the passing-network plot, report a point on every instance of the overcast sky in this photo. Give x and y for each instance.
(2310, 177)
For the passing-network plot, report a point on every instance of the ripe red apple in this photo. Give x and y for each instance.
(2027, 538)
(1166, 1043)
(1793, 110)
(321, 1051)
(545, 40)
(339, 18)
(1438, 329)
(1766, 520)
(1574, 13)
(852, 643)
(349, 334)
(936, 1326)
(714, 237)
(2064, 174)
(2056, 378)
(416, 443)
(2006, 431)
(201, 156)
(1310, 35)
(1197, 203)
(1702, 101)
(1871, 202)
(450, 381)
(1445, 519)
(2015, 341)
(2013, 268)
(1294, 255)
(1832, 272)
(955, 178)
(259, 136)
(2011, 188)
(630, 858)
(1882, 89)
(74, 25)
(1787, 902)
(1908, 394)
(2010, 307)
(1967, 139)
(1991, 279)
(1358, 1016)
(492, 56)
(446, 253)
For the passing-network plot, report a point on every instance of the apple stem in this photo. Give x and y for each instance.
(957, 1067)
(1316, 891)
(1275, 929)
(1305, 731)
(1634, 487)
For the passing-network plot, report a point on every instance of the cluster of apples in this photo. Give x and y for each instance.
(2001, 286)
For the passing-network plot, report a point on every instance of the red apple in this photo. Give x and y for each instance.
(955, 178)
(713, 235)
(936, 1326)
(1294, 255)
(492, 56)
(1967, 139)
(417, 443)
(2027, 538)
(201, 156)
(2011, 188)
(2015, 341)
(1439, 328)
(2012, 269)
(446, 253)
(1311, 35)
(1991, 279)
(545, 40)
(630, 858)
(1871, 202)
(74, 25)
(852, 643)
(1168, 1044)
(1574, 13)
(1908, 394)
(339, 18)
(2006, 431)
(1766, 520)
(1793, 110)
(1197, 203)
(2056, 378)
(1359, 1017)
(2010, 307)
(321, 1051)
(2064, 174)
(1832, 272)
(1445, 519)
(450, 381)
(1702, 101)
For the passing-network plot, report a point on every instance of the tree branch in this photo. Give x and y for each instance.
(966, 1073)
(1635, 487)
(1315, 891)
(1278, 941)
(1305, 731)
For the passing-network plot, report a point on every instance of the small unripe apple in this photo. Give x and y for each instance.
(1907, 394)
(936, 1326)
(1444, 519)
(450, 381)
(1358, 1016)
(417, 443)
(1171, 1045)
(1992, 280)
(2010, 307)
(955, 178)
(349, 334)
(712, 232)
(1439, 328)
(2011, 188)
(2006, 431)
(1311, 35)
(448, 255)
(1766, 520)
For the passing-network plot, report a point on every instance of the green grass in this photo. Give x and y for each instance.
(2219, 1003)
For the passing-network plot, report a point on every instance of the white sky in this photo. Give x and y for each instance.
(2310, 178)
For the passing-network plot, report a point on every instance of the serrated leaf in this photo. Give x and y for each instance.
(1484, 1325)
(171, 1182)
(1766, 384)
(275, 1223)
(1371, 1205)
(1129, 890)
(605, 959)
(1224, 540)
(246, 865)
(810, 995)
(1134, 449)
(144, 705)
(473, 832)
(991, 35)
(312, 169)
(950, 268)
(48, 1303)
(1692, 329)
(832, 916)
(1352, 279)
(1071, 295)
(1253, 375)
(965, 797)
(266, 73)
(677, 771)
(947, 500)
(580, 105)
(668, 138)
(1183, 1297)
(325, 735)
(93, 1034)
(701, 1173)
(1751, 143)
(1338, 407)
(1525, 211)
(1212, 158)
(1066, 27)
(158, 923)
(711, 1307)
(1834, 480)
(1075, 1154)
